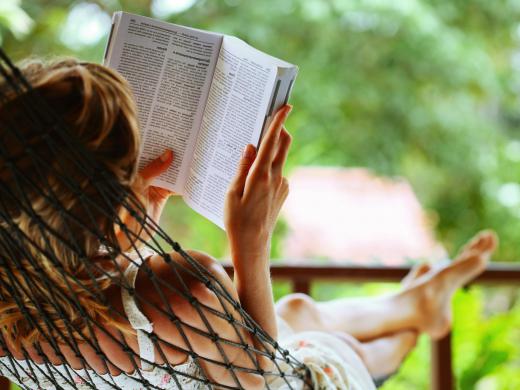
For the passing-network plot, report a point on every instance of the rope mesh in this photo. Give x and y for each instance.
(61, 320)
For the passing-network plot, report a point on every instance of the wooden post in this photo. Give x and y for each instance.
(4, 383)
(301, 286)
(441, 364)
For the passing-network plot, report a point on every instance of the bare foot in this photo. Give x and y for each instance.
(435, 288)
(416, 272)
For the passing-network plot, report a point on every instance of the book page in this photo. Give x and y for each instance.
(235, 114)
(169, 68)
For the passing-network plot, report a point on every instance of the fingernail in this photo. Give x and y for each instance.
(289, 108)
(166, 155)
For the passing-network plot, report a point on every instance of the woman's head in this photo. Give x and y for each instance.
(96, 106)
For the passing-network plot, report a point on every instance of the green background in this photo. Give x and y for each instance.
(425, 90)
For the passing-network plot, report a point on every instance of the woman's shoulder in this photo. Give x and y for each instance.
(178, 278)
(194, 268)
(179, 285)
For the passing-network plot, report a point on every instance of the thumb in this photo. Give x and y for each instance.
(247, 159)
(157, 166)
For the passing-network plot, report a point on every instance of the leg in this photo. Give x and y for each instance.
(298, 309)
(422, 305)
(384, 356)
(368, 361)
(363, 318)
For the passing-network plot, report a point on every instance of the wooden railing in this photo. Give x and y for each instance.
(303, 275)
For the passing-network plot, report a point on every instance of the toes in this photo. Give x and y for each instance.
(477, 243)
(484, 242)
(491, 240)
(422, 269)
(416, 272)
(471, 261)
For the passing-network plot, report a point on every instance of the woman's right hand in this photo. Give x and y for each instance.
(258, 192)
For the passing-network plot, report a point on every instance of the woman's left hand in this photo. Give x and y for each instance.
(152, 198)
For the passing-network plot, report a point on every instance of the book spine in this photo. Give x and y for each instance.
(109, 42)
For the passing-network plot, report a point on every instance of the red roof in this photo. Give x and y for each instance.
(352, 214)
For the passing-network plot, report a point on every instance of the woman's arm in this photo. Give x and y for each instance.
(252, 207)
(172, 301)
(253, 203)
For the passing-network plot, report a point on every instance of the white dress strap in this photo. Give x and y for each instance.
(137, 319)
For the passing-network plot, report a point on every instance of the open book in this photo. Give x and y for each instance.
(202, 94)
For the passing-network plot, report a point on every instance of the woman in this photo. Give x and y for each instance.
(344, 343)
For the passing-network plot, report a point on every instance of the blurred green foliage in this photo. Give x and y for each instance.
(428, 90)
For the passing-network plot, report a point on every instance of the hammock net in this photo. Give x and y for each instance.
(53, 309)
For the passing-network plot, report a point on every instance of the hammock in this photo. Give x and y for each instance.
(22, 259)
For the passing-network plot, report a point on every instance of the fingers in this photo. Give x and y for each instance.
(157, 166)
(157, 193)
(244, 165)
(284, 187)
(268, 146)
(273, 152)
(282, 152)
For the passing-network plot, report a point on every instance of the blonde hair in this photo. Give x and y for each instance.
(96, 104)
